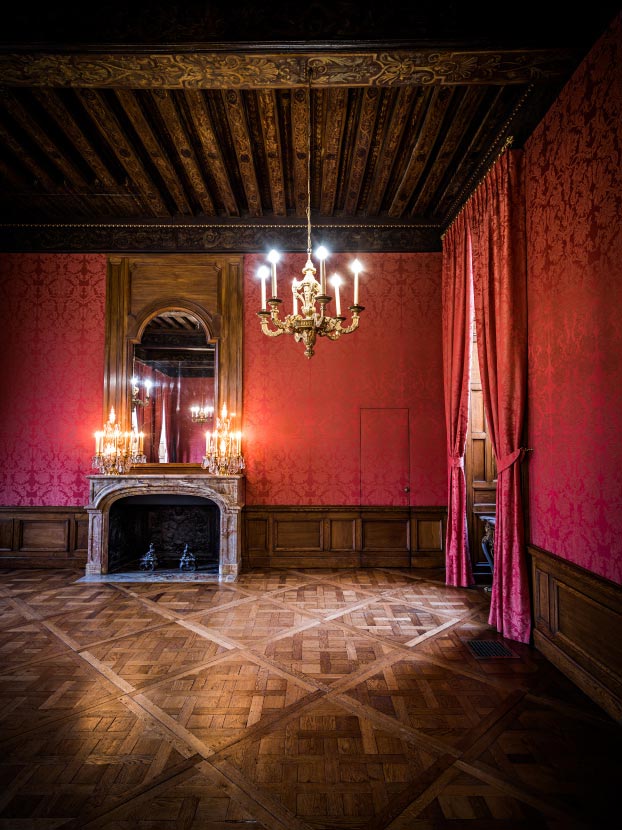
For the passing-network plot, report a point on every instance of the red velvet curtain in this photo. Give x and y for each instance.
(457, 333)
(496, 217)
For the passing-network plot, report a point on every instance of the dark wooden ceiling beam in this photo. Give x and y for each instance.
(185, 152)
(55, 108)
(153, 146)
(108, 125)
(449, 199)
(211, 149)
(9, 175)
(244, 149)
(432, 122)
(466, 111)
(300, 141)
(71, 175)
(362, 144)
(19, 151)
(408, 102)
(335, 120)
(273, 149)
(186, 69)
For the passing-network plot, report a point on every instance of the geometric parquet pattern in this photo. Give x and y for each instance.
(288, 700)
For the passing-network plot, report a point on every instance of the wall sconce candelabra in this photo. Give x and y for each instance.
(201, 414)
(116, 451)
(311, 320)
(137, 400)
(223, 447)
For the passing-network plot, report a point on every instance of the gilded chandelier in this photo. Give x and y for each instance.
(117, 451)
(223, 447)
(309, 318)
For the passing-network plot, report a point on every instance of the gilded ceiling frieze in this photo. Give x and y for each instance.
(216, 70)
(239, 238)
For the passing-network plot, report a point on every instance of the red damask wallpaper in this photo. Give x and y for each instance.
(302, 417)
(52, 347)
(574, 215)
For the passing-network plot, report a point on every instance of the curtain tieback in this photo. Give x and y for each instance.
(506, 462)
(456, 461)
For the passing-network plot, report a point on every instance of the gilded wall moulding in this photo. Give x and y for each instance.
(233, 70)
(161, 238)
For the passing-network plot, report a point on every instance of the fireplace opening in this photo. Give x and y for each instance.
(182, 532)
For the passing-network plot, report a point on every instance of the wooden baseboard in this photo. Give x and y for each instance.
(578, 626)
(344, 537)
(43, 537)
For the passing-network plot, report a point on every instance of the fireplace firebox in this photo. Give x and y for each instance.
(194, 512)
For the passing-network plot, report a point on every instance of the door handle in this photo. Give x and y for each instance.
(407, 489)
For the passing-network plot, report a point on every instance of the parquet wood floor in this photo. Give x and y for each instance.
(290, 700)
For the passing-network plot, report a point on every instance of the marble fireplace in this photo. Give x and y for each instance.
(226, 492)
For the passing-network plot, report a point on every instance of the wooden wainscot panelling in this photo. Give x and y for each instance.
(386, 539)
(429, 540)
(578, 626)
(338, 537)
(43, 537)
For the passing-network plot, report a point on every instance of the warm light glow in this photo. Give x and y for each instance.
(223, 447)
(115, 450)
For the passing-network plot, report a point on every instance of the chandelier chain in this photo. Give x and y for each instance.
(308, 161)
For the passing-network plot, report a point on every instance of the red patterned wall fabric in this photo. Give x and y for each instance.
(302, 417)
(51, 395)
(574, 221)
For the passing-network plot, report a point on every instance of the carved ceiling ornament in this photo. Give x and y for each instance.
(238, 70)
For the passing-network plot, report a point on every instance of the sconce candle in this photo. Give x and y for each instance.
(115, 450)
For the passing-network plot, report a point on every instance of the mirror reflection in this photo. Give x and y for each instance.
(174, 388)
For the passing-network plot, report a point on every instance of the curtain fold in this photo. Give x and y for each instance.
(457, 334)
(495, 215)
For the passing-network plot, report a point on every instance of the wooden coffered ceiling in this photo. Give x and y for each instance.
(185, 127)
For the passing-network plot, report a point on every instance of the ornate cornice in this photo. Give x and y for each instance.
(141, 69)
(214, 238)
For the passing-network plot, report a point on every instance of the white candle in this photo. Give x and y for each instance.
(321, 254)
(263, 273)
(273, 257)
(336, 282)
(357, 268)
(295, 303)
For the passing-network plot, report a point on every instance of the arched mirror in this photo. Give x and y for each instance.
(173, 350)
(174, 387)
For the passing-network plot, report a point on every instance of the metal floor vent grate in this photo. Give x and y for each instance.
(489, 648)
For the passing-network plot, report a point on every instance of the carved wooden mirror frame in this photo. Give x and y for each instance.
(141, 286)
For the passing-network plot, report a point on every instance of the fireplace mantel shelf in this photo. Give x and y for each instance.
(227, 492)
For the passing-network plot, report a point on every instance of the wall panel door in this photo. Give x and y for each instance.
(385, 464)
